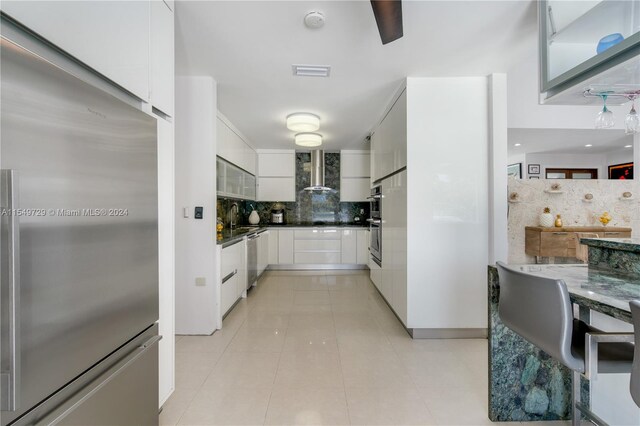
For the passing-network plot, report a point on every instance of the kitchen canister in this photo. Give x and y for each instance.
(254, 219)
(546, 218)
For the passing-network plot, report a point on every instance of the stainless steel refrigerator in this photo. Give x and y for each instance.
(79, 250)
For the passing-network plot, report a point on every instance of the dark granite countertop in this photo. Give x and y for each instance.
(228, 236)
(624, 244)
(608, 293)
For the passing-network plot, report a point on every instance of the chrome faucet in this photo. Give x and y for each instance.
(232, 216)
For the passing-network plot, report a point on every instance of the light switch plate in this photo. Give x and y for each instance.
(201, 281)
(185, 212)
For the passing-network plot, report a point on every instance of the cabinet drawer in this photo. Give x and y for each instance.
(311, 257)
(317, 245)
(229, 293)
(557, 243)
(232, 259)
(617, 234)
(317, 234)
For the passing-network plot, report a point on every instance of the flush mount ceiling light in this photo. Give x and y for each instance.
(588, 145)
(517, 144)
(303, 122)
(308, 139)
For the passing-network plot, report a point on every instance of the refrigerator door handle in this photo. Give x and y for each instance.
(76, 401)
(10, 374)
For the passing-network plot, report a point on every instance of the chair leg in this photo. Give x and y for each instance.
(575, 399)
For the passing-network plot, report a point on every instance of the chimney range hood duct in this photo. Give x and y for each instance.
(317, 172)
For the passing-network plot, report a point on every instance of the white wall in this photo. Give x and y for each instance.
(570, 161)
(166, 258)
(448, 178)
(195, 186)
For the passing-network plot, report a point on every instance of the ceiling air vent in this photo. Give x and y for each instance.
(311, 70)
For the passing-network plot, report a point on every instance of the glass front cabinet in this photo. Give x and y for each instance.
(582, 39)
(234, 182)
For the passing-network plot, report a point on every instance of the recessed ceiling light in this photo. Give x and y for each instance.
(588, 145)
(517, 144)
(311, 70)
(303, 122)
(308, 139)
(628, 146)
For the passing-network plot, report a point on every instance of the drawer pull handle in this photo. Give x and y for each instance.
(228, 277)
(612, 233)
(559, 233)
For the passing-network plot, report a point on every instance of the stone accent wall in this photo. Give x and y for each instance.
(571, 205)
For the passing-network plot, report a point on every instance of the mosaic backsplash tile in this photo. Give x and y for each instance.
(309, 207)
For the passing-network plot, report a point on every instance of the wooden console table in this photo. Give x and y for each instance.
(562, 242)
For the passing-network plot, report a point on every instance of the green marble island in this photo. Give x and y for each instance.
(524, 382)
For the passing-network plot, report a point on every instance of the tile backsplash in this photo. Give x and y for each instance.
(309, 207)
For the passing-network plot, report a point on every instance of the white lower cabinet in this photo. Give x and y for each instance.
(375, 273)
(349, 246)
(233, 274)
(285, 246)
(273, 247)
(362, 244)
(263, 251)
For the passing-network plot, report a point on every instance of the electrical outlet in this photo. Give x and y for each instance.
(201, 281)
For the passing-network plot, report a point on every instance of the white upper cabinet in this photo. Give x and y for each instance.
(389, 141)
(354, 175)
(355, 164)
(276, 175)
(234, 148)
(162, 52)
(277, 163)
(110, 37)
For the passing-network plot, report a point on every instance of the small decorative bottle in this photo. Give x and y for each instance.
(546, 218)
(558, 221)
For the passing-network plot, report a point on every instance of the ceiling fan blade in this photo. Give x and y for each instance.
(388, 15)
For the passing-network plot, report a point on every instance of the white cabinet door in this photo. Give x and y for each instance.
(228, 294)
(285, 246)
(349, 246)
(110, 37)
(162, 82)
(224, 143)
(394, 243)
(263, 251)
(250, 159)
(389, 141)
(375, 274)
(273, 247)
(276, 189)
(362, 249)
(354, 164)
(277, 164)
(355, 189)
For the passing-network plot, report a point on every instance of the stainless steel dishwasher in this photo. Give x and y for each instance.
(252, 259)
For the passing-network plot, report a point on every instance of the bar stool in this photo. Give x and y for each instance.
(539, 310)
(635, 372)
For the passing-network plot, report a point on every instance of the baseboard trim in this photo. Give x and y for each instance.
(312, 267)
(448, 333)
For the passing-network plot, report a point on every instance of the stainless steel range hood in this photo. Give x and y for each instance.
(317, 172)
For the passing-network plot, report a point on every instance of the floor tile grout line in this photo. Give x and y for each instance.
(344, 386)
(275, 376)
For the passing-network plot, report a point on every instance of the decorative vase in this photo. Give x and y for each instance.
(546, 219)
(558, 222)
(254, 219)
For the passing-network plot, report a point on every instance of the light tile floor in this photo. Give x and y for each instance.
(323, 347)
